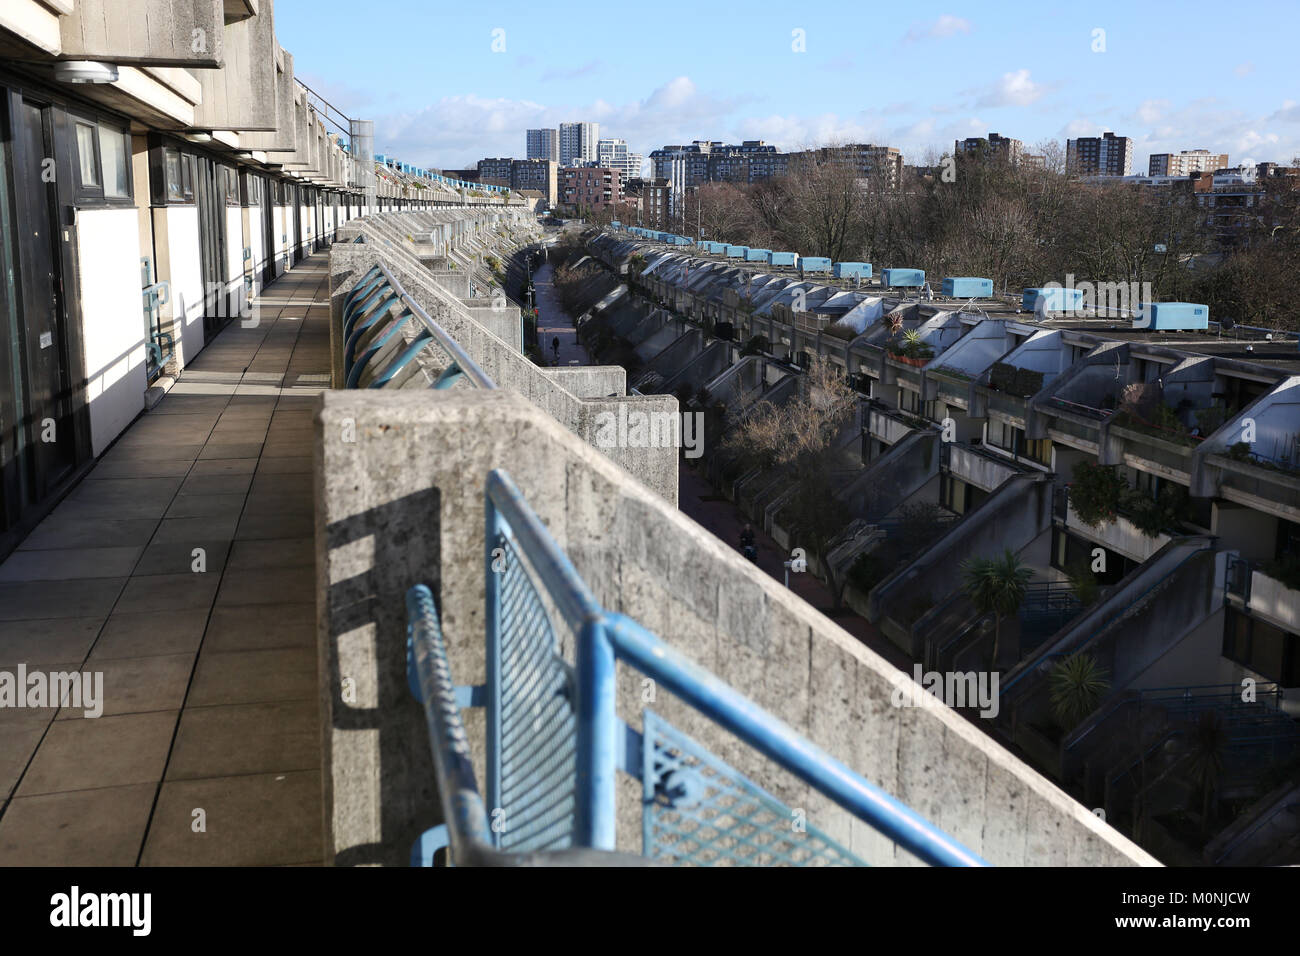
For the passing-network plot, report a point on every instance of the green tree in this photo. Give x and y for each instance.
(996, 586)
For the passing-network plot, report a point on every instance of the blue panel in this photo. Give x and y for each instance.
(1052, 299)
(1172, 315)
(757, 255)
(904, 278)
(736, 252)
(781, 258)
(851, 270)
(967, 288)
(814, 264)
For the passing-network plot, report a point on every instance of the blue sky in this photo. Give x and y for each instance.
(915, 76)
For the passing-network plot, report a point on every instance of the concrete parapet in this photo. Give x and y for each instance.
(590, 381)
(598, 420)
(403, 503)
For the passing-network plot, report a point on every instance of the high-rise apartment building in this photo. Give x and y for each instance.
(519, 174)
(578, 143)
(614, 154)
(543, 144)
(992, 147)
(1105, 155)
(884, 163)
(705, 161)
(1186, 162)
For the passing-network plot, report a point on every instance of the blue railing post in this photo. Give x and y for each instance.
(493, 570)
(597, 762)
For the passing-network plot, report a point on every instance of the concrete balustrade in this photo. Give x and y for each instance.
(599, 411)
(403, 503)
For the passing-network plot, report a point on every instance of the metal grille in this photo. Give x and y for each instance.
(699, 811)
(538, 725)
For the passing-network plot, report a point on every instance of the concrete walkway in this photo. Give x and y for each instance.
(182, 569)
(553, 322)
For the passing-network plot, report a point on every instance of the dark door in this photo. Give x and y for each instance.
(268, 231)
(296, 193)
(209, 194)
(46, 428)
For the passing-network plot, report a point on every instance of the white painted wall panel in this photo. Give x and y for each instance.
(108, 277)
(185, 273)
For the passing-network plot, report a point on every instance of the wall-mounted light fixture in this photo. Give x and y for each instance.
(85, 71)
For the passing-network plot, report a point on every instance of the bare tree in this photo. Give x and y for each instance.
(798, 438)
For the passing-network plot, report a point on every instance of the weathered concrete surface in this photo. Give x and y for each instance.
(403, 503)
(590, 381)
(508, 367)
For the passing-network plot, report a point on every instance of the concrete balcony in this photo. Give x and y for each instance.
(1119, 534)
(1169, 455)
(1256, 484)
(1273, 600)
(164, 33)
(977, 467)
(1069, 423)
(889, 427)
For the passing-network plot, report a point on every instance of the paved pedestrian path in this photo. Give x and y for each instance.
(553, 322)
(182, 570)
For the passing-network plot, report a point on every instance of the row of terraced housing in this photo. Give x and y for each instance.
(162, 163)
(433, 396)
(988, 410)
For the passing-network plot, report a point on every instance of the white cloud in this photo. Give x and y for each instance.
(946, 26)
(1013, 89)
(457, 131)
(1151, 111)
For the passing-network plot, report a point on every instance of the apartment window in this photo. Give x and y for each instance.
(252, 189)
(1261, 647)
(87, 156)
(173, 176)
(909, 401)
(1039, 450)
(231, 180)
(113, 162)
(103, 169)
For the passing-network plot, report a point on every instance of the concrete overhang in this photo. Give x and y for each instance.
(237, 11)
(144, 32)
(242, 96)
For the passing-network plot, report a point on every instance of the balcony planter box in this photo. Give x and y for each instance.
(917, 362)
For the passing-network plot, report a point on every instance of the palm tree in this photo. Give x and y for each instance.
(1078, 684)
(1209, 741)
(996, 586)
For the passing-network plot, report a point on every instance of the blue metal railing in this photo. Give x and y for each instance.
(159, 345)
(384, 329)
(555, 743)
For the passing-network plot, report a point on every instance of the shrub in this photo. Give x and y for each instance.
(1096, 492)
(1078, 684)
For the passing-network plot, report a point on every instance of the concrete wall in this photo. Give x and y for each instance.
(404, 503)
(506, 366)
(590, 381)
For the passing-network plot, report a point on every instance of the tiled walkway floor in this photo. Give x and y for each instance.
(208, 750)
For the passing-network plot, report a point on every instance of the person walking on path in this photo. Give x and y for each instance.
(555, 347)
